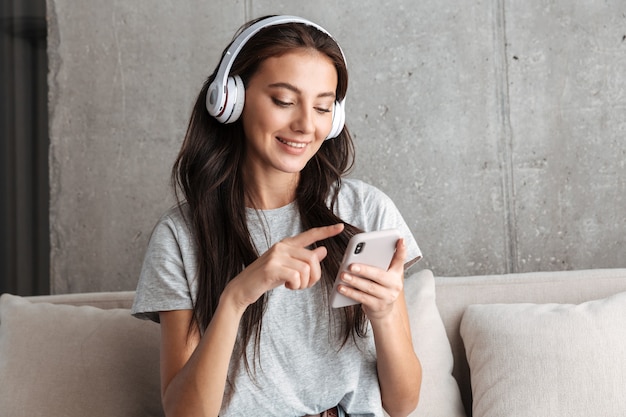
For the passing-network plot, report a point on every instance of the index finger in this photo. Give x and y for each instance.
(315, 234)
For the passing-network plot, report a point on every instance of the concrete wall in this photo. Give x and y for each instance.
(498, 127)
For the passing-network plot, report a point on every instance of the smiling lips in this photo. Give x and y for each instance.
(298, 145)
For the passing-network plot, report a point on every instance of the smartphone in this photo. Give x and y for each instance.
(368, 248)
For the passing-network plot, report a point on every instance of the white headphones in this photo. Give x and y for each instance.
(226, 94)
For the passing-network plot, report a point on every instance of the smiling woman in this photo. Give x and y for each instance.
(239, 274)
(287, 117)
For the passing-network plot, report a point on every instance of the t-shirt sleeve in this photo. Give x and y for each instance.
(168, 267)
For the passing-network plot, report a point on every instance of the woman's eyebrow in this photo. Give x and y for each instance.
(296, 90)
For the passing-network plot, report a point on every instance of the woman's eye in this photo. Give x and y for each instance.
(280, 103)
(323, 110)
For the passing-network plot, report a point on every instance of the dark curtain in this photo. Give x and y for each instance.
(24, 185)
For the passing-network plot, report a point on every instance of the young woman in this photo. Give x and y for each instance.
(239, 273)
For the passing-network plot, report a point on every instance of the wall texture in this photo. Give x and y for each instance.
(498, 127)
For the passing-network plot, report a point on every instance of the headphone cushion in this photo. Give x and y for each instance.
(235, 97)
(240, 99)
(339, 118)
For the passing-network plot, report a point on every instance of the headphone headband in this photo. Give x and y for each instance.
(235, 47)
(225, 96)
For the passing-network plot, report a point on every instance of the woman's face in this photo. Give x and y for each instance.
(288, 111)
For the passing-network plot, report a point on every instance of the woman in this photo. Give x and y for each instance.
(239, 273)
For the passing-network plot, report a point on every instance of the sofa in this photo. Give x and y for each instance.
(529, 344)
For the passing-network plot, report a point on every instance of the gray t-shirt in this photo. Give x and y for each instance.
(302, 369)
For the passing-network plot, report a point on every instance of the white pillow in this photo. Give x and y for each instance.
(63, 360)
(439, 396)
(547, 359)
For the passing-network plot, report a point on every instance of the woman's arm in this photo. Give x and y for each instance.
(193, 368)
(382, 295)
(399, 369)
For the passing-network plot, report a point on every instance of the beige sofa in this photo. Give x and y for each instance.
(84, 355)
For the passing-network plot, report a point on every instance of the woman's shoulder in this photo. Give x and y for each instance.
(174, 221)
(176, 214)
(363, 205)
(360, 191)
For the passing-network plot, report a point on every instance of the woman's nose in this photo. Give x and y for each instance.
(303, 121)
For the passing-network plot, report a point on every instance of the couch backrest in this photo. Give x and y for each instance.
(454, 294)
(104, 300)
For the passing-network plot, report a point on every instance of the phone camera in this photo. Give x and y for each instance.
(359, 248)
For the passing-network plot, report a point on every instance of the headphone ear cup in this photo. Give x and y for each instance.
(235, 97)
(213, 99)
(339, 118)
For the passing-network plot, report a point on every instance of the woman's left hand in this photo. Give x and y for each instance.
(376, 289)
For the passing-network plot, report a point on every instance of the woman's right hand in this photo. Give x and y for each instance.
(288, 262)
(194, 368)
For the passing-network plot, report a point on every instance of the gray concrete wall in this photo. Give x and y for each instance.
(498, 127)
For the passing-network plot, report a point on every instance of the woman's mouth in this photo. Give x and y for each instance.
(298, 145)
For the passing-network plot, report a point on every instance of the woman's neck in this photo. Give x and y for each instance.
(270, 192)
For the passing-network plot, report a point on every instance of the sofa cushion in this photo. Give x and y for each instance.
(61, 360)
(547, 359)
(440, 394)
(454, 294)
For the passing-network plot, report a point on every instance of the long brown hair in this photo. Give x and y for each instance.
(208, 173)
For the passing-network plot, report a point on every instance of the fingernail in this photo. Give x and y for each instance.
(355, 268)
(346, 278)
